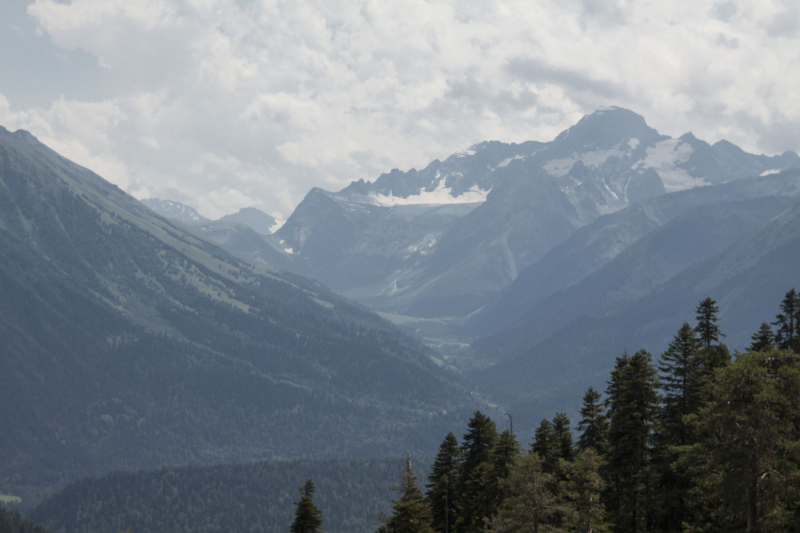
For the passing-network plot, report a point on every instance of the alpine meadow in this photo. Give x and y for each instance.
(399, 267)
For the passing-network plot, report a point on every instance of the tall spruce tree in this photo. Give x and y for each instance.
(476, 455)
(594, 424)
(307, 518)
(584, 487)
(563, 434)
(763, 339)
(633, 408)
(410, 513)
(707, 329)
(546, 446)
(497, 471)
(682, 382)
(442, 486)
(786, 334)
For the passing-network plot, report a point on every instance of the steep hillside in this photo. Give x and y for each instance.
(131, 342)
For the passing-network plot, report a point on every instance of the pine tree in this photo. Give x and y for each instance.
(442, 485)
(746, 463)
(786, 335)
(546, 446)
(763, 340)
(504, 453)
(593, 424)
(584, 486)
(476, 454)
(563, 437)
(707, 328)
(410, 514)
(530, 503)
(633, 408)
(682, 381)
(307, 518)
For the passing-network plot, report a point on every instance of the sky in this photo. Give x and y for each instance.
(224, 104)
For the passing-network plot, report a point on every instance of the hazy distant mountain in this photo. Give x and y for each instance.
(176, 210)
(744, 253)
(258, 220)
(446, 240)
(129, 341)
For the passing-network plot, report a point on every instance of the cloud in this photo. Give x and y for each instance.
(228, 104)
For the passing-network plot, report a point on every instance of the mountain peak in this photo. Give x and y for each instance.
(606, 128)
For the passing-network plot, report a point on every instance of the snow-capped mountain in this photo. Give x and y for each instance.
(441, 241)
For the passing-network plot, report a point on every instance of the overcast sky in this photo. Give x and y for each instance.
(224, 104)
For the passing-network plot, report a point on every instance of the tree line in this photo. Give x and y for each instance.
(696, 441)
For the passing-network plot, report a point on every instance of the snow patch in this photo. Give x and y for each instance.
(440, 195)
(664, 158)
(633, 143)
(278, 225)
(559, 167)
(465, 152)
(506, 161)
(773, 171)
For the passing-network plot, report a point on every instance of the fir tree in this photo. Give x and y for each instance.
(442, 485)
(530, 503)
(633, 407)
(763, 340)
(682, 381)
(786, 334)
(563, 437)
(593, 424)
(476, 454)
(307, 518)
(546, 446)
(584, 486)
(707, 328)
(410, 514)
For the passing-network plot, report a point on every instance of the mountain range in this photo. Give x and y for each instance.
(130, 341)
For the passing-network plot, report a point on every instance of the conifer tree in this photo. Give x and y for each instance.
(476, 454)
(546, 446)
(746, 463)
(442, 495)
(633, 408)
(593, 424)
(707, 328)
(410, 514)
(504, 453)
(786, 334)
(763, 340)
(584, 487)
(530, 503)
(307, 518)
(563, 436)
(682, 382)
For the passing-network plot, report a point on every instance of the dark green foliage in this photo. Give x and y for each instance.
(253, 497)
(530, 504)
(505, 451)
(410, 513)
(707, 328)
(546, 446)
(476, 455)
(787, 336)
(442, 484)
(307, 518)
(763, 339)
(563, 436)
(594, 423)
(746, 461)
(633, 409)
(583, 488)
(12, 522)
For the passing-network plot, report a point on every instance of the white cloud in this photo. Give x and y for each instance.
(228, 103)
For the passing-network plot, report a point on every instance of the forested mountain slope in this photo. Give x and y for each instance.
(130, 342)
